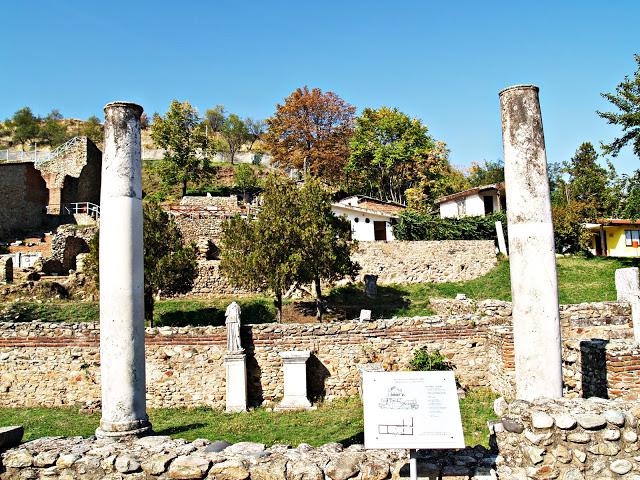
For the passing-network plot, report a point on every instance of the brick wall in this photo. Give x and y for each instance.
(23, 198)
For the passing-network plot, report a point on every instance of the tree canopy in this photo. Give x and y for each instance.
(310, 131)
(394, 158)
(181, 133)
(233, 129)
(626, 100)
(294, 238)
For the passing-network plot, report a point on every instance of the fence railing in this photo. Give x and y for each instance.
(87, 208)
(8, 156)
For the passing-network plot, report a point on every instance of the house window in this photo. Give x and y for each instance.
(366, 220)
(461, 208)
(631, 236)
(356, 219)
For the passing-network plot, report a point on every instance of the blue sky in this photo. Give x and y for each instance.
(443, 62)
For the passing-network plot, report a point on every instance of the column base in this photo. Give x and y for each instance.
(119, 430)
(293, 404)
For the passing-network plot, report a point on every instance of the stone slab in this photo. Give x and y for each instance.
(10, 436)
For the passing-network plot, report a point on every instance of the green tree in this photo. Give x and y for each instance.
(486, 173)
(589, 184)
(245, 178)
(263, 253)
(24, 126)
(391, 153)
(181, 133)
(170, 266)
(628, 188)
(53, 131)
(255, 128)
(231, 128)
(627, 101)
(93, 129)
(325, 240)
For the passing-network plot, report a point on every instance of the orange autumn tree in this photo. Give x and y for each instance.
(311, 132)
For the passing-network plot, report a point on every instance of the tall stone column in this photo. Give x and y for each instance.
(122, 276)
(534, 282)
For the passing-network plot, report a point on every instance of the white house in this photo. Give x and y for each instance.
(477, 201)
(371, 219)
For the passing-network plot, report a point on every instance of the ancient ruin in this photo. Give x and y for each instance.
(534, 283)
(121, 277)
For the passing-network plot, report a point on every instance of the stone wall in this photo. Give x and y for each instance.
(210, 281)
(568, 439)
(58, 364)
(429, 261)
(23, 199)
(68, 242)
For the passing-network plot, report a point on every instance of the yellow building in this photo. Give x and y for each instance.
(614, 237)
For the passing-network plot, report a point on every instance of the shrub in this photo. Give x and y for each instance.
(416, 226)
(425, 361)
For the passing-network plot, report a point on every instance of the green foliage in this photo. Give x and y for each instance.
(486, 173)
(24, 126)
(264, 252)
(53, 131)
(169, 266)
(294, 238)
(181, 133)
(325, 239)
(415, 226)
(93, 129)
(568, 231)
(392, 153)
(425, 361)
(627, 101)
(628, 188)
(245, 178)
(231, 128)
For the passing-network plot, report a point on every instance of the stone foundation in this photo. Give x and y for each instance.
(163, 458)
(568, 439)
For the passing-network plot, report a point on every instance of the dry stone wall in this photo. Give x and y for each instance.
(573, 439)
(23, 199)
(429, 261)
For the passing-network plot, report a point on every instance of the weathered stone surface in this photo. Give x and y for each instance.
(188, 467)
(273, 469)
(573, 474)
(345, 466)
(375, 470)
(621, 466)
(565, 422)
(562, 453)
(229, 470)
(579, 437)
(614, 416)
(244, 448)
(590, 421)
(304, 470)
(217, 446)
(126, 464)
(611, 434)
(18, 459)
(534, 454)
(541, 420)
(580, 455)
(605, 448)
(512, 425)
(66, 461)
(157, 464)
(45, 459)
(630, 436)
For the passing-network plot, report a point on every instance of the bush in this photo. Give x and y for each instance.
(426, 361)
(416, 226)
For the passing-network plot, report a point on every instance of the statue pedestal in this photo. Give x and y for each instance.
(236, 368)
(295, 381)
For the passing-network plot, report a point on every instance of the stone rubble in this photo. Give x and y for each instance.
(164, 458)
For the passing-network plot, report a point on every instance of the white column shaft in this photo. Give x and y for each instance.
(122, 276)
(534, 284)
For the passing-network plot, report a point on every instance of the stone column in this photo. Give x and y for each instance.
(295, 381)
(122, 276)
(534, 282)
(502, 244)
(236, 369)
(6, 269)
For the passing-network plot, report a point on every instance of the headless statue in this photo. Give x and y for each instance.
(233, 328)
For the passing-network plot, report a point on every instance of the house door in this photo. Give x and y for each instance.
(380, 230)
(488, 205)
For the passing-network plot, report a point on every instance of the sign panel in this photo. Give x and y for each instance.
(411, 410)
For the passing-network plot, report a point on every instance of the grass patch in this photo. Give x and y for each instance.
(579, 279)
(340, 421)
